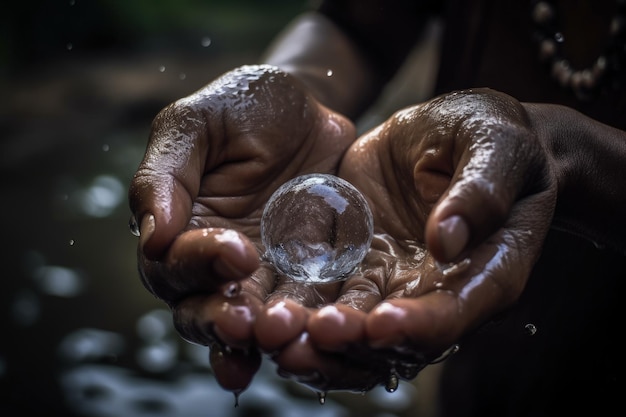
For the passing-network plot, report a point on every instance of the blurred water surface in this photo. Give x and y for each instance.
(81, 82)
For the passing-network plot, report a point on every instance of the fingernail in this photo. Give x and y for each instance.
(454, 235)
(148, 225)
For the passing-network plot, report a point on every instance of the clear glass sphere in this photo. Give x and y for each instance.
(316, 228)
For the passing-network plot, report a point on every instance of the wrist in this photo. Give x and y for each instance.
(587, 160)
(327, 62)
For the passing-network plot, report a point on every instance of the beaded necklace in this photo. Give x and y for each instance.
(605, 76)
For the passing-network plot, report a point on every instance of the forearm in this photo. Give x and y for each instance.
(589, 160)
(318, 53)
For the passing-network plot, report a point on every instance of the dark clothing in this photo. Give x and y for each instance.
(571, 365)
(487, 43)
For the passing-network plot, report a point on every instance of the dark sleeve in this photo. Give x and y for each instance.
(384, 30)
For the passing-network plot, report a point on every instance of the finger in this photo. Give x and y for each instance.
(287, 310)
(335, 327)
(228, 316)
(204, 319)
(323, 371)
(200, 260)
(428, 323)
(279, 323)
(234, 369)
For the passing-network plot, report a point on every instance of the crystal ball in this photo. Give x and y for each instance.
(316, 228)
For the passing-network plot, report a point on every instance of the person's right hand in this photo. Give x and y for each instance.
(212, 161)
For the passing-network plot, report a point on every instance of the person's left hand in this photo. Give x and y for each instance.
(462, 194)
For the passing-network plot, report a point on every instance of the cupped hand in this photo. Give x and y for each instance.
(212, 161)
(462, 191)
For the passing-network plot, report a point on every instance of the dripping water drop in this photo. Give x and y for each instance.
(531, 329)
(134, 226)
(321, 397)
(392, 382)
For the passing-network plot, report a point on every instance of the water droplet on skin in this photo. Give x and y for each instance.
(231, 289)
(321, 397)
(531, 329)
(392, 382)
(134, 226)
(316, 228)
(450, 269)
(445, 355)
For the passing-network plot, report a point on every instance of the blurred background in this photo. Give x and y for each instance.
(81, 81)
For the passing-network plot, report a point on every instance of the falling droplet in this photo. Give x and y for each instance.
(236, 394)
(531, 329)
(559, 37)
(392, 382)
(329, 73)
(182, 76)
(598, 245)
(206, 41)
(69, 46)
(133, 226)
(231, 289)
(71, 242)
(105, 147)
(162, 68)
(321, 397)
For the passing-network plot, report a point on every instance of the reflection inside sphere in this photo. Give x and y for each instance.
(316, 228)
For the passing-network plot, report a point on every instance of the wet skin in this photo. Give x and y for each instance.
(461, 178)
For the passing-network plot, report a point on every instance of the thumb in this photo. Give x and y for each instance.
(491, 175)
(167, 181)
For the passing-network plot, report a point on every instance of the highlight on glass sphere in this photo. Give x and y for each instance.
(316, 228)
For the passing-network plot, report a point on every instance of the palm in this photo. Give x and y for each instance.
(213, 160)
